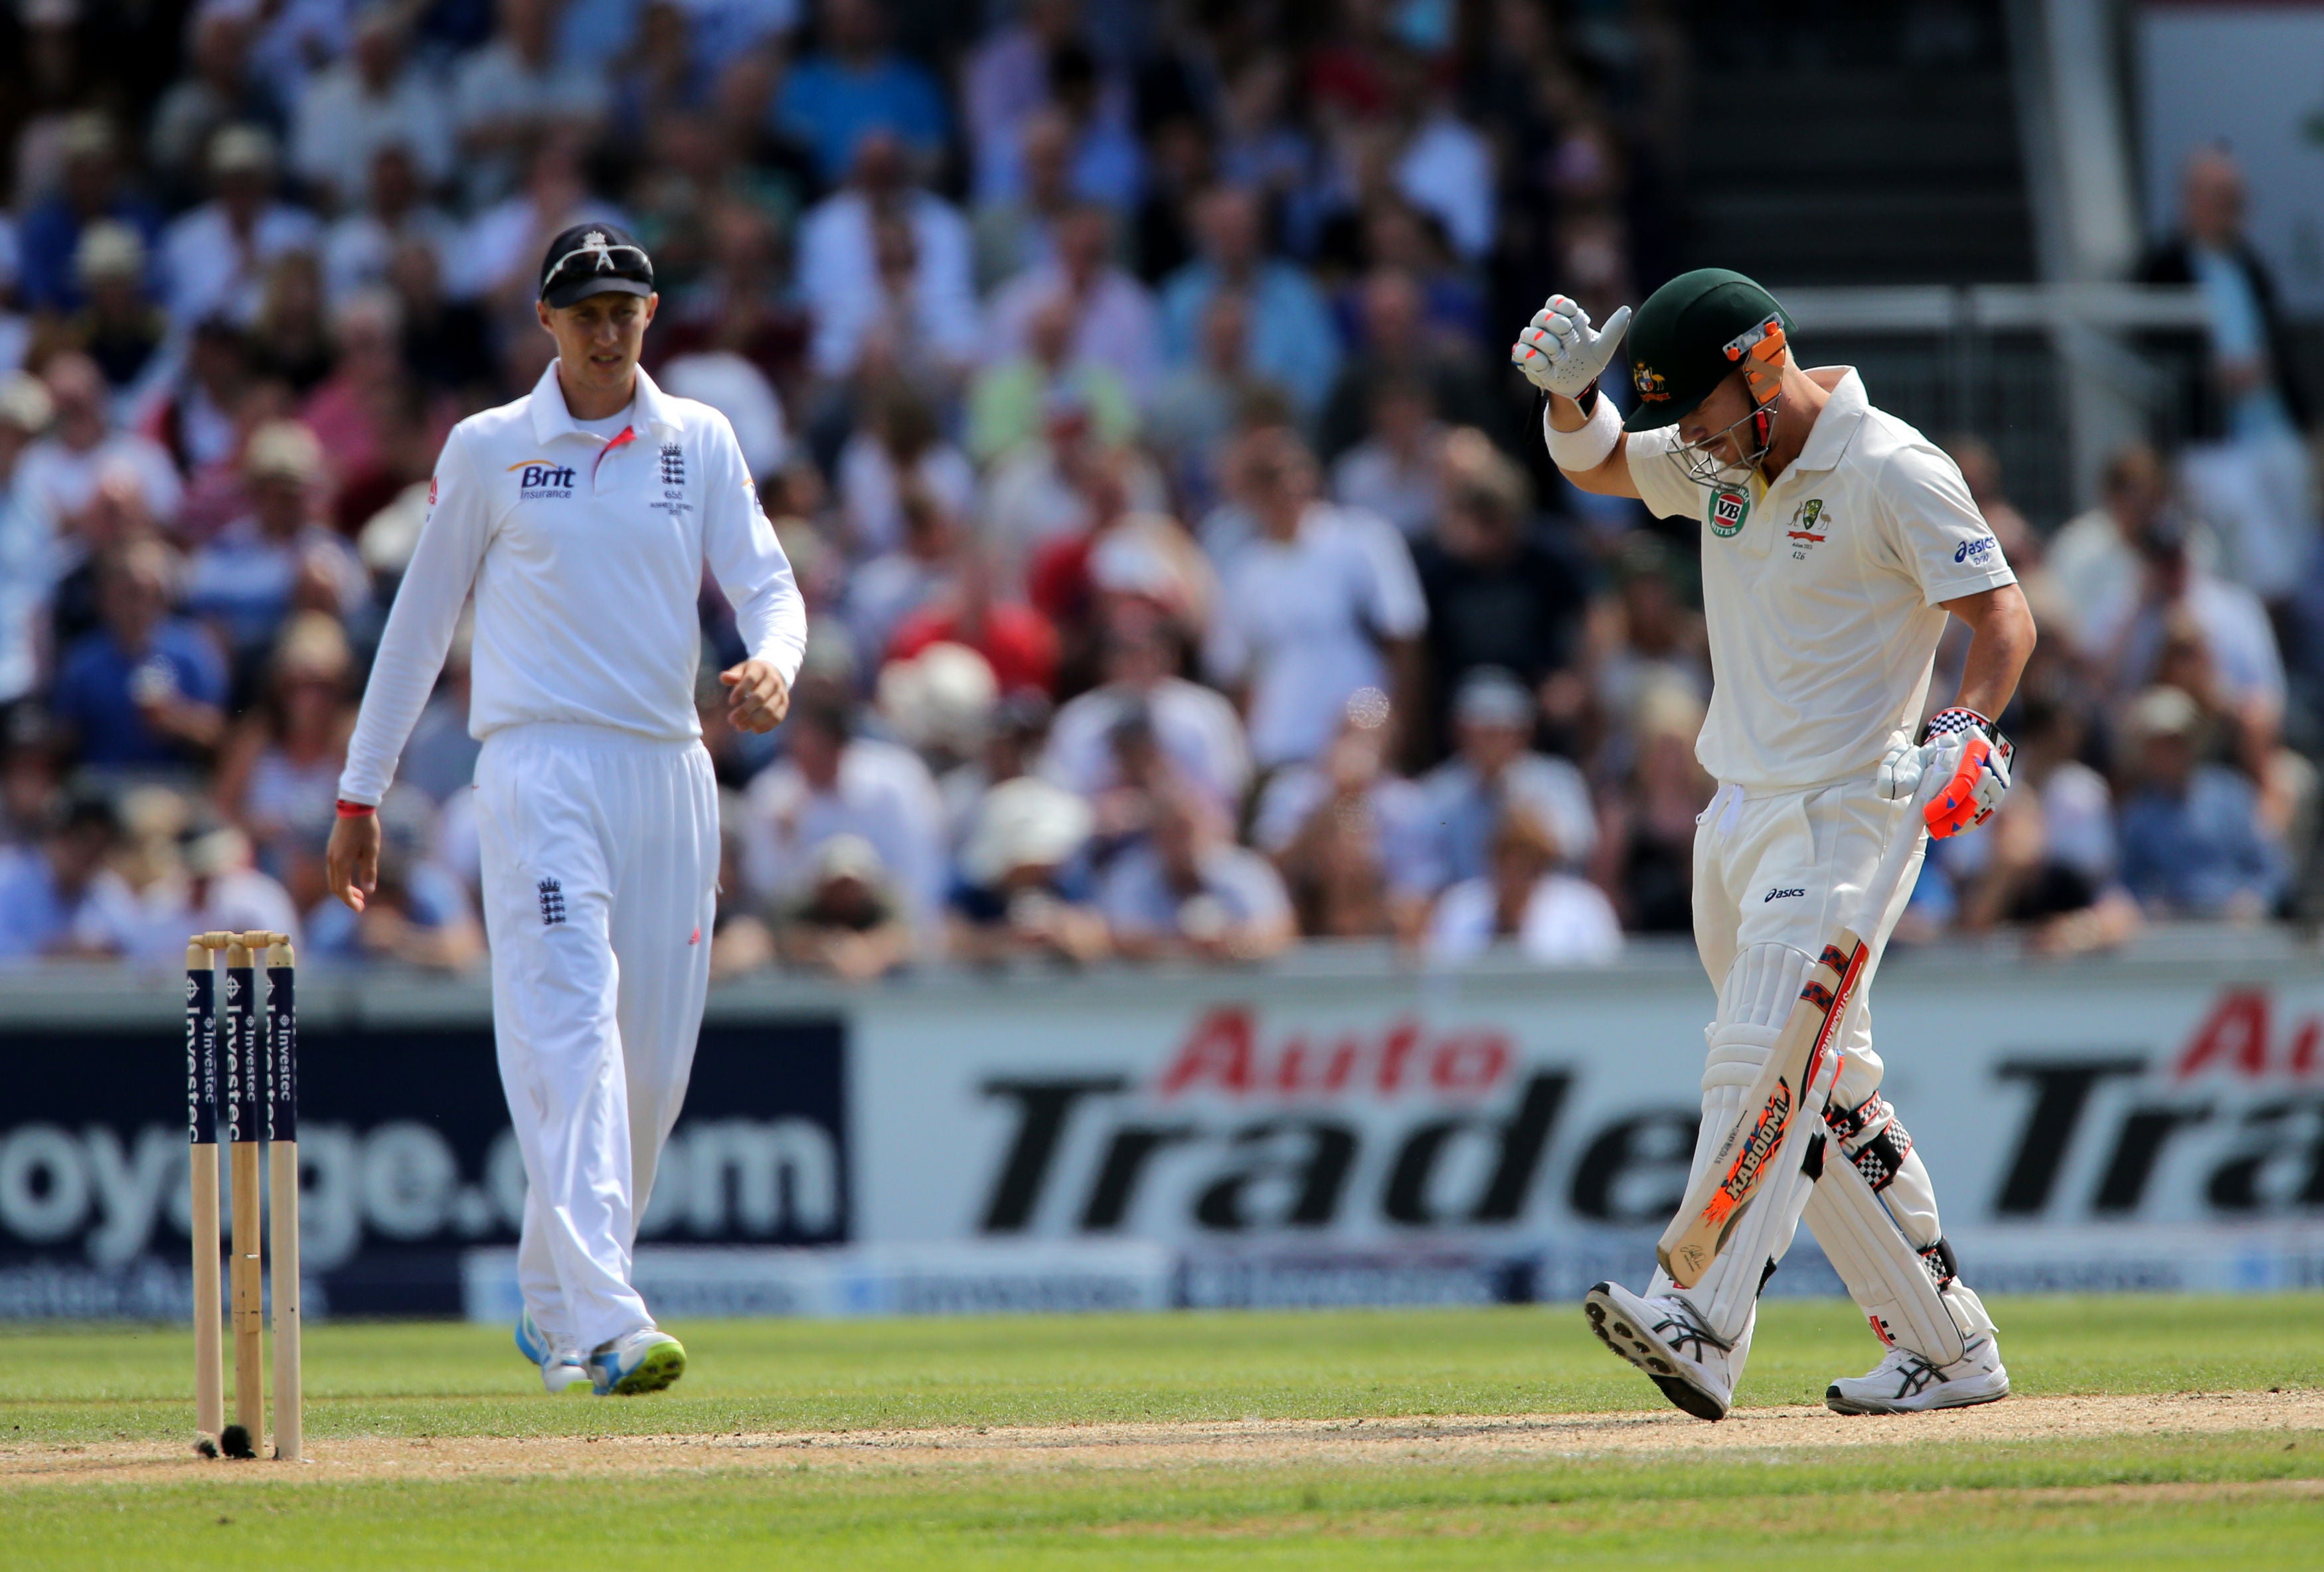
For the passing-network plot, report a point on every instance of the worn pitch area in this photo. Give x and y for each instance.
(1263, 1443)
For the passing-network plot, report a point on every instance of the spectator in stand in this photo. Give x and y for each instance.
(145, 689)
(219, 91)
(2094, 560)
(1645, 858)
(278, 777)
(1396, 471)
(1442, 165)
(292, 335)
(447, 343)
(215, 258)
(1065, 486)
(1398, 347)
(1112, 317)
(882, 256)
(90, 191)
(2192, 845)
(2051, 864)
(1190, 891)
(1201, 404)
(1501, 592)
(118, 326)
(501, 248)
(832, 782)
(1018, 232)
(1555, 918)
(276, 558)
(2249, 472)
(59, 899)
(359, 250)
(848, 919)
(1024, 891)
(25, 542)
(504, 93)
(1009, 398)
(1645, 635)
(1351, 838)
(1293, 343)
(1014, 733)
(60, 473)
(222, 890)
(1016, 640)
(897, 444)
(655, 69)
(1195, 728)
(896, 584)
(2224, 626)
(1321, 602)
(193, 417)
(1492, 771)
(855, 86)
(1044, 64)
(374, 94)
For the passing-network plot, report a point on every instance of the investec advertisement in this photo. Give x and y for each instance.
(406, 1163)
(2093, 1127)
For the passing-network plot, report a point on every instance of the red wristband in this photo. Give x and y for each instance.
(348, 810)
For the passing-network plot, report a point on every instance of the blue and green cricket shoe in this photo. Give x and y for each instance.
(643, 1361)
(561, 1370)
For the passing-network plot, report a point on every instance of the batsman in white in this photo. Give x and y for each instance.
(1836, 540)
(581, 516)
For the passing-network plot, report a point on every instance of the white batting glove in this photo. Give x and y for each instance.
(1558, 351)
(1969, 753)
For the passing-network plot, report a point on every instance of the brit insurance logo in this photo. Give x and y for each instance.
(1730, 507)
(537, 478)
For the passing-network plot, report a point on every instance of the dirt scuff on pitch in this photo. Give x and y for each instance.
(1253, 1442)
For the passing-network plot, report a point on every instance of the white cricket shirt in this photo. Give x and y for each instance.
(1822, 591)
(586, 555)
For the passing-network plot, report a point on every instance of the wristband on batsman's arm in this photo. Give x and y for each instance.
(348, 810)
(1590, 446)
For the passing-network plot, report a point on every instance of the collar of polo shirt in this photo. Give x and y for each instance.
(552, 419)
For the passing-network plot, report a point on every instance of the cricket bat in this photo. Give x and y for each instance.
(1773, 1103)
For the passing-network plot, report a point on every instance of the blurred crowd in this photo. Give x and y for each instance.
(1126, 378)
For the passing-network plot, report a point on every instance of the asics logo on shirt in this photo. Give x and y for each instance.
(1782, 893)
(538, 477)
(1976, 550)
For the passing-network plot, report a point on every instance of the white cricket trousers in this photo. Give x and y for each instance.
(600, 866)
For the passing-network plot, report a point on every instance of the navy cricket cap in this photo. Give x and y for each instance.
(1679, 340)
(593, 258)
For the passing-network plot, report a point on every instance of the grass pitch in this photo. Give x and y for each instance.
(1486, 1438)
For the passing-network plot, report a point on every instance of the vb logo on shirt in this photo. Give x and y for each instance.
(1729, 505)
(537, 477)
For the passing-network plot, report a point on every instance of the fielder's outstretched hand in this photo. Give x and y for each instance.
(1561, 353)
(350, 863)
(757, 697)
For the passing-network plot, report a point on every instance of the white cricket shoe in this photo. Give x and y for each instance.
(646, 1360)
(1904, 1383)
(1665, 1337)
(566, 1371)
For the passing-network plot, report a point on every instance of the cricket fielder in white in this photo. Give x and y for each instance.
(582, 516)
(1836, 541)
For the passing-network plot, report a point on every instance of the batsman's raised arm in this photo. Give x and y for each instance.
(1561, 353)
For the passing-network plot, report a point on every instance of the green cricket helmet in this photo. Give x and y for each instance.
(1691, 336)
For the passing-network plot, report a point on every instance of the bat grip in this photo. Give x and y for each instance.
(1889, 873)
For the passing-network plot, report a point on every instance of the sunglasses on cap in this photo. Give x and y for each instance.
(592, 259)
